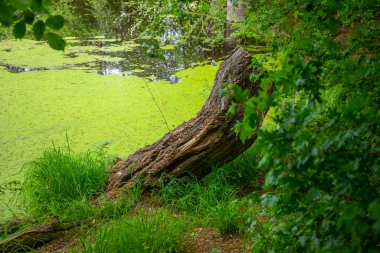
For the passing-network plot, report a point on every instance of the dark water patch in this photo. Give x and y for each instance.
(174, 79)
(110, 68)
(159, 70)
(71, 55)
(154, 73)
(161, 66)
(16, 69)
(21, 69)
(148, 60)
(124, 68)
(96, 43)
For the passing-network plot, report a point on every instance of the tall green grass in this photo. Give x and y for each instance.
(60, 178)
(145, 233)
(191, 195)
(222, 184)
(216, 198)
(228, 217)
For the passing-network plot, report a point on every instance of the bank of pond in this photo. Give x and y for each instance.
(98, 93)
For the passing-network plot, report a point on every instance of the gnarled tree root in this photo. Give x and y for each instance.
(34, 236)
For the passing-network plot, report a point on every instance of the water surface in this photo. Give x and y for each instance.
(97, 91)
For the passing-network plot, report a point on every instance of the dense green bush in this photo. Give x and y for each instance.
(115, 19)
(323, 157)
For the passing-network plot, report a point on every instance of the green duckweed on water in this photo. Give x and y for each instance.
(44, 105)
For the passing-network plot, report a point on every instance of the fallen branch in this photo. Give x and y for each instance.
(34, 236)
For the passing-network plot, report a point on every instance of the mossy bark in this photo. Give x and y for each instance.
(33, 236)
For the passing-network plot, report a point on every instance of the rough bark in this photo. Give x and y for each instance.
(33, 237)
(195, 146)
(234, 14)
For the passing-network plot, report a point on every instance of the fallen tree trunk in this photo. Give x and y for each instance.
(195, 146)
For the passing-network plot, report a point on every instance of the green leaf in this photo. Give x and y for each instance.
(55, 22)
(19, 29)
(47, 4)
(232, 109)
(227, 90)
(55, 41)
(376, 227)
(268, 200)
(241, 94)
(255, 196)
(20, 4)
(37, 5)
(374, 210)
(205, 8)
(6, 14)
(29, 17)
(39, 29)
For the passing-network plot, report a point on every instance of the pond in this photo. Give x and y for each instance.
(97, 93)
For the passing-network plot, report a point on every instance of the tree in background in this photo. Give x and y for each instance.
(124, 19)
(84, 18)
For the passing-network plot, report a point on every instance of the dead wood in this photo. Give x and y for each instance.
(34, 236)
(195, 146)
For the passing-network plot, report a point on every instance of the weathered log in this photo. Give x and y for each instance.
(195, 146)
(34, 236)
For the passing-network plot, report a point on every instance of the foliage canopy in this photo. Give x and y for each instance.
(323, 180)
(323, 157)
(20, 14)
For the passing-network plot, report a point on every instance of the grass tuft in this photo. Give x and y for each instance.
(216, 198)
(194, 196)
(59, 179)
(115, 209)
(145, 233)
(228, 218)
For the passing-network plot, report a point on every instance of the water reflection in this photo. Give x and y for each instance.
(162, 64)
(109, 68)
